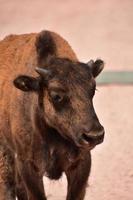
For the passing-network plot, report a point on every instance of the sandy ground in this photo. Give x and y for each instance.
(94, 28)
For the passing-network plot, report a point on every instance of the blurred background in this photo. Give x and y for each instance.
(94, 29)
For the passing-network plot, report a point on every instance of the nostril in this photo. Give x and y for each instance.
(100, 136)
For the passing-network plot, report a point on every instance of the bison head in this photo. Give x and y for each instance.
(66, 90)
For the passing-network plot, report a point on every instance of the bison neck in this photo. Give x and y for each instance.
(59, 153)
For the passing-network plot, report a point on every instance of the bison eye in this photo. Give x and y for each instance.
(56, 97)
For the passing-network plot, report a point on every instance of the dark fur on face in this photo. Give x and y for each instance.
(68, 97)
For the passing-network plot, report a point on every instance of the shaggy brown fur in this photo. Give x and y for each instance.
(52, 126)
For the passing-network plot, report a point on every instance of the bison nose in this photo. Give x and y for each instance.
(94, 137)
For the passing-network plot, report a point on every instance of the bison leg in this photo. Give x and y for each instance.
(20, 188)
(33, 182)
(77, 179)
(7, 173)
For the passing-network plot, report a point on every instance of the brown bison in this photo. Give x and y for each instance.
(51, 126)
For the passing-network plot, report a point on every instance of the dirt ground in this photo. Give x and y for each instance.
(94, 28)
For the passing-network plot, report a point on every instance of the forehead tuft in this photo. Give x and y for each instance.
(64, 68)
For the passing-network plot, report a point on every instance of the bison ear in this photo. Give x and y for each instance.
(26, 83)
(45, 46)
(96, 67)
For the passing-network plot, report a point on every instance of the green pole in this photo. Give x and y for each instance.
(115, 77)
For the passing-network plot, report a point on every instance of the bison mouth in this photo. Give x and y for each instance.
(86, 140)
(91, 140)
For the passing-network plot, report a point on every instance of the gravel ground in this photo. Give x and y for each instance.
(101, 28)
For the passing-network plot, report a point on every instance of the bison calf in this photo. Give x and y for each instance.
(49, 125)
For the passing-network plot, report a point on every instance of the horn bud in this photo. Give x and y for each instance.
(42, 71)
(90, 63)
